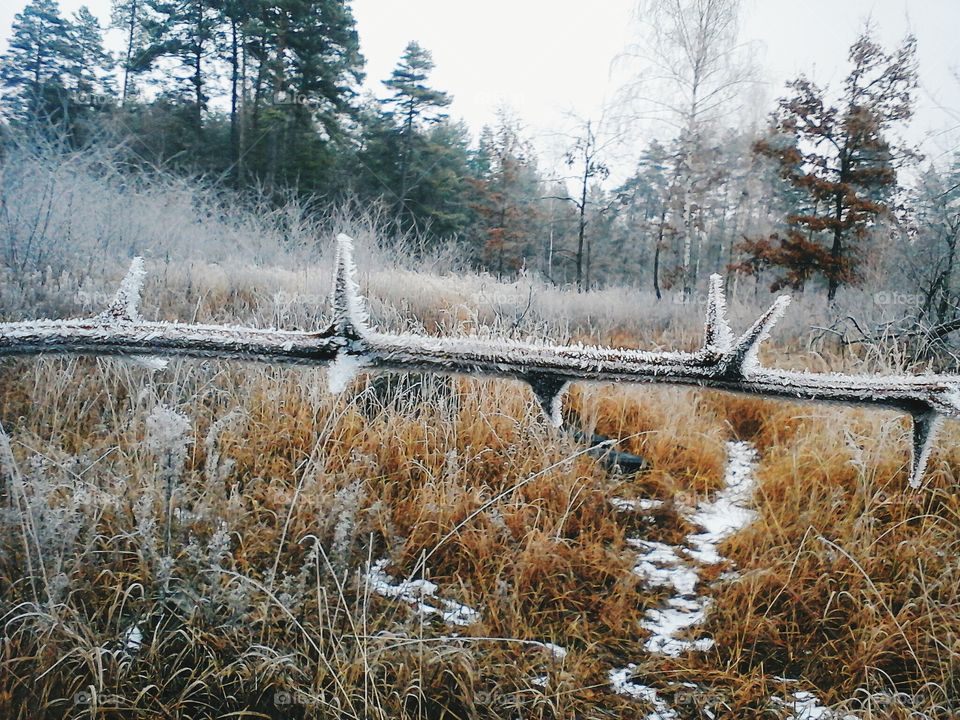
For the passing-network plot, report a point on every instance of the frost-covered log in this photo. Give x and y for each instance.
(349, 345)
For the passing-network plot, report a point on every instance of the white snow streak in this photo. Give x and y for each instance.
(342, 371)
(417, 592)
(806, 706)
(730, 509)
(641, 505)
(621, 683)
(663, 565)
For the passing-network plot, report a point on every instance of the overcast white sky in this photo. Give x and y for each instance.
(544, 58)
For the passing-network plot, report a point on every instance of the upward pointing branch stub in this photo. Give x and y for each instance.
(349, 315)
(743, 355)
(717, 334)
(125, 306)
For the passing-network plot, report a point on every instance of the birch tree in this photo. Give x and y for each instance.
(689, 70)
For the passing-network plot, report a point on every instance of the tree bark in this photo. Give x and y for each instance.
(582, 224)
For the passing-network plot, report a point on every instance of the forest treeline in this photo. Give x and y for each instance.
(264, 97)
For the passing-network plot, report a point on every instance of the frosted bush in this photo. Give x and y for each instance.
(166, 430)
(48, 519)
(345, 505)
(215, 469)
(167, 436)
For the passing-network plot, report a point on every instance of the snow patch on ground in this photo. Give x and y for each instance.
(422, 594)
(557, 652)
(663, 565)
(620, 681)
(641, 505)
(133, 639)
(806, 706)
(730, 509)
(673, 566)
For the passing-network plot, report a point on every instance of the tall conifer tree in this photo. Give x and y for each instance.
(34, 67)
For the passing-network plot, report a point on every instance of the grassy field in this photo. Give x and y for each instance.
(218, 539)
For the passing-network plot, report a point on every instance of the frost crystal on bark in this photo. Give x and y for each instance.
(718, 337)
(126, 303)
(342, 372)
(548, 390)
(743, 357)
(924, 429)
(349, 311)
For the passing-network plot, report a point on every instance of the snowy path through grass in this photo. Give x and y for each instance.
(661, 564)
(666, 565)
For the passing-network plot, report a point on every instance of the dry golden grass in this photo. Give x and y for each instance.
(847, 581)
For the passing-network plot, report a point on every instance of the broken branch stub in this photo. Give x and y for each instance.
(349, 345)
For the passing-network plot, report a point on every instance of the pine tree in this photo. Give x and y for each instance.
(88, 64)
(437, 197)
(930, 258)
(414, 103)
(307, 68)
(644, 216)
(325, 61)
(507, 189)
(36, 62)
(133, 18)
(413, 107)
(436, 175)
(191, 32)
(239, 15)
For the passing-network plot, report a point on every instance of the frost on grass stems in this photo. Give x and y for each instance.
(47, 514)
(168, 435)
(345, 506)
(216, 471)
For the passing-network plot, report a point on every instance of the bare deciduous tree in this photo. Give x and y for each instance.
(584, 156)
(688, 68)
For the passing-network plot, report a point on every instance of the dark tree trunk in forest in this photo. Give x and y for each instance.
(836, 249)
(836, 252)
(405, 158)
(656, 255)
(586, 273)
(197, 79)
(582, 224)
(947, 281)
(234, 104)
(131, 35)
